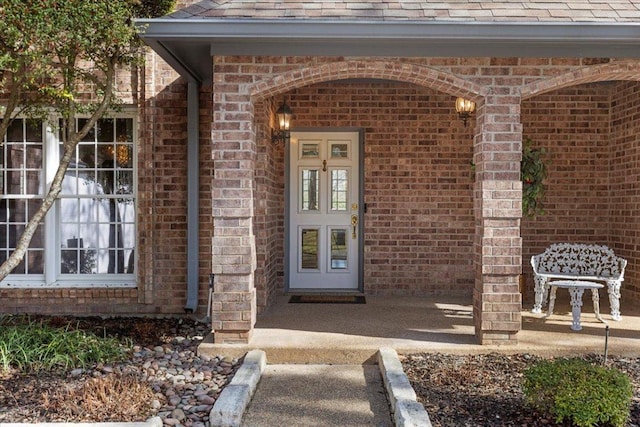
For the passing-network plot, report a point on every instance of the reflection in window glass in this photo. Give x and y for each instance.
(339, 249)
(309, 243)
(310, 150)
(310, 190)
(339, 151)
(339, 185)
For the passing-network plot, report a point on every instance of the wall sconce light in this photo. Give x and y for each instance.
(465, 109)
(283, 121)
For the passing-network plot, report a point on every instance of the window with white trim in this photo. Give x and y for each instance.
(89, 237)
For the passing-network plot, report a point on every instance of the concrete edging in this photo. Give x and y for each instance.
(407, 411)
(151, 422)
(229, 408)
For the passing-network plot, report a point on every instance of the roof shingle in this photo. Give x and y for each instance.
(419, 10)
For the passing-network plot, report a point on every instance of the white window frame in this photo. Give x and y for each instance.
(52, 277)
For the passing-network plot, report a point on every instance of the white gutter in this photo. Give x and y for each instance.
(193, 195)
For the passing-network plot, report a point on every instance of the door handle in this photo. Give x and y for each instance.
(354, 225)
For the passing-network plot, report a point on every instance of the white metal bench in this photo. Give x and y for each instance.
(576, 261)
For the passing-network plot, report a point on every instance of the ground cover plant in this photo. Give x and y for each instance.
(578, 391)
(29, 346)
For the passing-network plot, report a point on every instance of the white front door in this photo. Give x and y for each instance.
(324, 211)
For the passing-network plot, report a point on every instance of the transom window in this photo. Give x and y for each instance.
(89, 236)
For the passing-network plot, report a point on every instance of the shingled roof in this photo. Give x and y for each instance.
(460, 10)
(189, 37)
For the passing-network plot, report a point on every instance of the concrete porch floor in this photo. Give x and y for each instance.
(352, 333)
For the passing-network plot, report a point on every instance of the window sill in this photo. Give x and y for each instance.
(102, 282)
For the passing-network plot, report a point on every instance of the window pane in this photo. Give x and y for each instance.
(124, 130)
(97, 230)
(91, 135)
(309, 251)
(33, 130)
(16, 131)
(310, 190)
(105, 130)
(339, 249)
(86, 156)
(35, 262)
(339, 193)
(310, 150)
(124, 182)
(339, 151)
(34, 156)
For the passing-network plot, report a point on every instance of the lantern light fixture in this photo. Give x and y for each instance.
(465, 109)
(283, 122)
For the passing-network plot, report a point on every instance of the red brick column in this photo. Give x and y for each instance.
(497, 301)
(234, 252)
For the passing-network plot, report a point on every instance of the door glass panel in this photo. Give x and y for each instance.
(339, 249)
(310, 189)
(339, 186)
(310, 150)
(339, 151)
(310, 251)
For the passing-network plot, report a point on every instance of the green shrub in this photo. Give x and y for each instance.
(31, 347)
(577, 391)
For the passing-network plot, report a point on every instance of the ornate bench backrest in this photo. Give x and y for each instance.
(580, 260)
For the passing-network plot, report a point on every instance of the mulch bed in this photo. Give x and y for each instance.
(485, 390)
(35, 397)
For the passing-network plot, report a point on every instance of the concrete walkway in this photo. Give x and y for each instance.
(319, 395)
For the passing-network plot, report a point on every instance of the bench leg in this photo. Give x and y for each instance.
(595, 297)
(576, 305)
(614, 299)
(552, 300)
(541, 294)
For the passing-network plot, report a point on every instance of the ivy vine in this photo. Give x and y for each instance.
(533, 171)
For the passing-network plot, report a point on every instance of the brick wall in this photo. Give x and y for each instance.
(419, 223)
(269, 209)
(625, 183)
(572, 124)
(590, 133)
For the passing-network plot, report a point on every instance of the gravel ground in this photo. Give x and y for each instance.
(484, 390)
(184, 385)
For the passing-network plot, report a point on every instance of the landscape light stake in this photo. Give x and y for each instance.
(606, 343)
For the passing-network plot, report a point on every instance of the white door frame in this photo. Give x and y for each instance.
(360, 212)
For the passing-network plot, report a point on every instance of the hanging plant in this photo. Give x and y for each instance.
(533, 171)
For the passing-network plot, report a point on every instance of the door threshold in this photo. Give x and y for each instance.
(327, 299)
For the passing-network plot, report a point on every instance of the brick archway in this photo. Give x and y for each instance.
(597, 73)
(386, 70)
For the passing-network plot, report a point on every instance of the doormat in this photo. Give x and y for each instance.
(327, 299)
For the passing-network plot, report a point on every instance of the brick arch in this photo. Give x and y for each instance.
(386, 70)
(596, 73)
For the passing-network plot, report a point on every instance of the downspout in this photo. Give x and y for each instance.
(193, 195)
